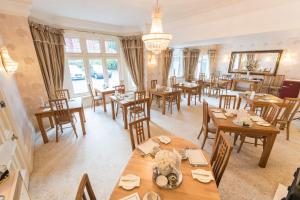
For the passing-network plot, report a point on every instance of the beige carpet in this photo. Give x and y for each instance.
(105, 150)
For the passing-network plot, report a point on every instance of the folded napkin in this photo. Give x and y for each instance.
(202, 175)
(216, 110)
(147, 147)
(164, 139)
(196, 157)
(256, 118)
(129, 181)
(220, 116)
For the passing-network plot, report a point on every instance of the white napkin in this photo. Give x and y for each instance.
(147, 147)
(129, 181)
(196, 157)
(216, 110)
(220, 116)
(164, 139)
(256, 118)
(202, 175)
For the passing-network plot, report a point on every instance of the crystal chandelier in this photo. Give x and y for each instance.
(156, 40)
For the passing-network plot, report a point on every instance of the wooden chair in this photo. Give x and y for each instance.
(206, 126)
(95, 98)
(265, 87)
(270, 114)
(119, 89)
(138, 109)
(201, 77)
(276, 84)
(197, 92)
(173, 80)
(153, 84)
(157, 98)
(85, 185)
(214, 88)
(139, 134)
(62, 93)
(220, 157)
(62, 115)
(172, 99)
(228, 101)
(291, 107)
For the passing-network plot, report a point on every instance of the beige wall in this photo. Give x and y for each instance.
(290, 61)
(17, 38)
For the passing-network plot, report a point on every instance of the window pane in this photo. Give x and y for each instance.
(72, 45)
(112, 67)
(96, 69)
(78, 77)
(93, 46)
(110, 46)
(177, 64)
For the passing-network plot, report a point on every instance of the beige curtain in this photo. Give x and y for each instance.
(190, 61)
(49, 47)
(212, 61)
(133, 48)
(166, 64)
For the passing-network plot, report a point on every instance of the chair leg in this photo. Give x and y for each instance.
(94, 103)
(242, 142)
(200, 133)
(56, 130)
(204, 140)
(236, 136)
(74, 129)
(255, 141)
(288, 131)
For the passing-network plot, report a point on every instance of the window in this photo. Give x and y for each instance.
(92, 61)
(177, 64)
(203, 66)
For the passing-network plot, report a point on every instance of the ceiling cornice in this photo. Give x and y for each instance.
(16, 7)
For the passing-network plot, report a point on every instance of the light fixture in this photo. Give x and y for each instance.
(9, 64)
(156, 40)
(152, 60)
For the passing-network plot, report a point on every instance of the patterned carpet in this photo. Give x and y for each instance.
(105, 150)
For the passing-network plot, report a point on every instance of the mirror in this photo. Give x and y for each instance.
(256, 62)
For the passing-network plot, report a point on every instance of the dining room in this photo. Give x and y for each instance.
(149, 100)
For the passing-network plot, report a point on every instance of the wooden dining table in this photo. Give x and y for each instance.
(164, 95)
(104, 93)
(189, 189)
(259, 100)
(188, 88)
(227, 125)
(75, 106)
(126, 103)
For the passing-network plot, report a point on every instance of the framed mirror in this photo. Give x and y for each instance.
(255, 62)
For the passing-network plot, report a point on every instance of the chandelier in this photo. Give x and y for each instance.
(156, 40)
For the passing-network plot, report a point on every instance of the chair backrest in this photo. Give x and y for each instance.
(205, 115)
(228, 101)
(153, 84)
(290, 108)
(202, 76)
(256, 87)
(139, 134)
(270, 113)
(91, 90)
(220, 157)
(278, 80)
(62, 93)
(60, 108)
(267, 80)
(140, 95)
(120, 89)
(85, 185)
(173, 80)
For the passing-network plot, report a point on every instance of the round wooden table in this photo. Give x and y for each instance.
(189, 189)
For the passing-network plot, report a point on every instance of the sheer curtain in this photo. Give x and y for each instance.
(166, 64)
(133, 49)
(190, 61)
(49, 46)
(212, 60)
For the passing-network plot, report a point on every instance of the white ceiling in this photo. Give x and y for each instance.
(134, 13)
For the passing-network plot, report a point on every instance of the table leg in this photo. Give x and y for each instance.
(164, 105)
(113, 109)
(178, 101)
(267, 150)
(148, 109)
(239, 103)
(104, 102)
(42, 129)
(189, 98)
(51, 122)
(125, 118)
(81, 116)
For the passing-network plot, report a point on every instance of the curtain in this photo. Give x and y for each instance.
(167, 56)
(212, 60)
(133, 48)
(49, 46)
(190, 61)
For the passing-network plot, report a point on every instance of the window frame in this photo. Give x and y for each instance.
(180, 64)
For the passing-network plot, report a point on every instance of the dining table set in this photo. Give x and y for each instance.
(139, 180)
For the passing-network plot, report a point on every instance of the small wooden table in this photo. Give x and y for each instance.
(270, 132)
(75, 105)
(104, 93)
(189, 189)
(125, 104)
(164, 95)
(235, 82)
(260, 100)
(189, 89)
